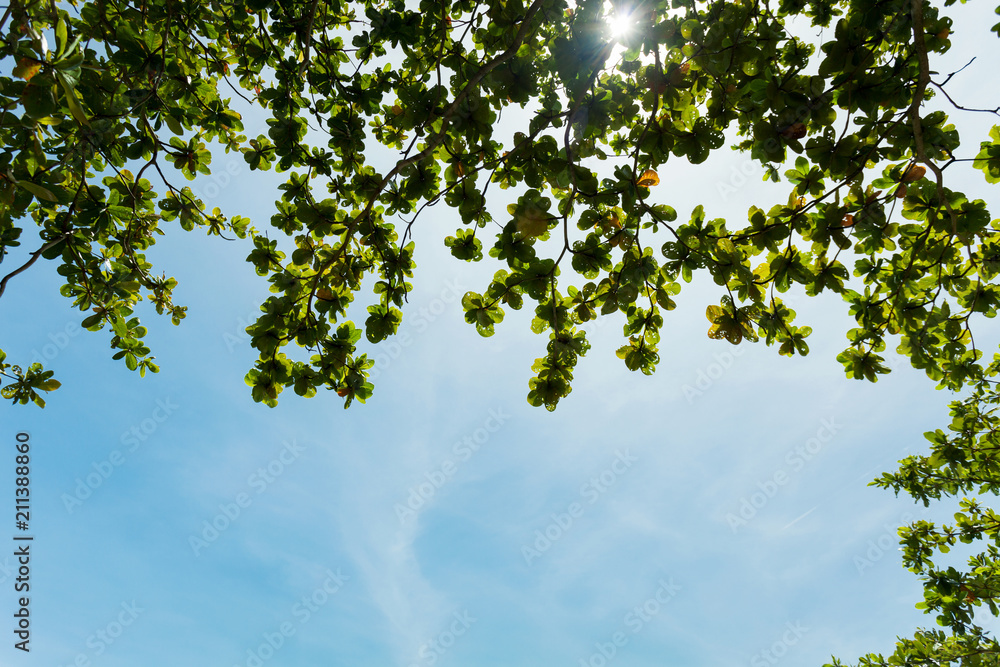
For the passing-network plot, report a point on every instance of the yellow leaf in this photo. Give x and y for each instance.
(26, 68)
(914, 173)
(648, 179)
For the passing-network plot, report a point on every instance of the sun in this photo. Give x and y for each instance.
(621, 23)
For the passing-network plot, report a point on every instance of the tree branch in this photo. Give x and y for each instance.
(34, 257)
(432, 143)
(924, 78)
(308, 38)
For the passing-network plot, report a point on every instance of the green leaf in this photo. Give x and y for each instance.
(71, 100)
(38, 191)
(60, 37)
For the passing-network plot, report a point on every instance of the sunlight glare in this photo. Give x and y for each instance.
(621, 23)
(620, 19)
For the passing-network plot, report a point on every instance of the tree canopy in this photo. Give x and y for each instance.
(109, 107)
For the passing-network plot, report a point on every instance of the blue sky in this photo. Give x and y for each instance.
(177, 522)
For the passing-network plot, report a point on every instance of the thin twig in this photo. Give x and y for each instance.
(940, 86)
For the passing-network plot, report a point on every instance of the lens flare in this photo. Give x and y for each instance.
(621, 23)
